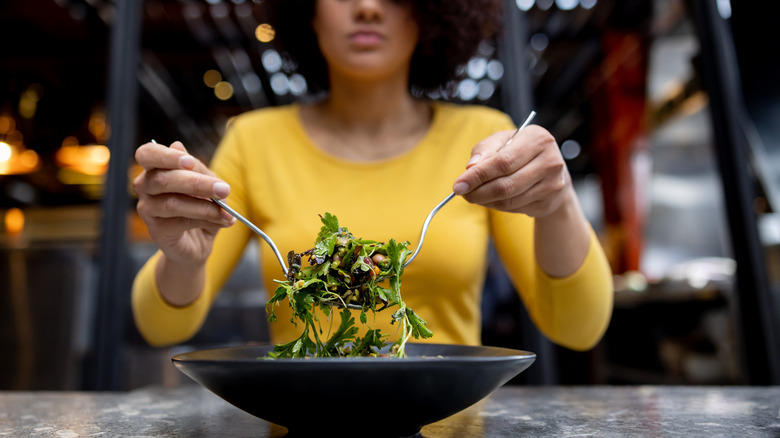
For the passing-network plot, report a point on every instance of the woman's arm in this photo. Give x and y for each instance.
(173, 200)
(569, 290)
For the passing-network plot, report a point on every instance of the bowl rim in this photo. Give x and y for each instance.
(504, 354)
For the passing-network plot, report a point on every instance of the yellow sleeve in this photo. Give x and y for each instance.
(159, 322)
(574, 311)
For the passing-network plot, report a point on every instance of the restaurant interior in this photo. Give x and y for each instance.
(665, 111)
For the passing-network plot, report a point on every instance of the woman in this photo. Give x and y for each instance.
(378, 158)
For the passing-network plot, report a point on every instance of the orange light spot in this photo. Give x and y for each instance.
(14, 221)
(265, 33)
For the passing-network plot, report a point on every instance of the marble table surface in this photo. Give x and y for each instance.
(511, 411)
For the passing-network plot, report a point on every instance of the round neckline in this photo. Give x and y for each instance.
(309, 143)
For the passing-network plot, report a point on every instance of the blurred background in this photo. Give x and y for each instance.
(666, 111)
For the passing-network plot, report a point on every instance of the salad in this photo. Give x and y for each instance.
(344, 272)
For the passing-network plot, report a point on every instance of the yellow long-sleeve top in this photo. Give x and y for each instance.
(281, 181)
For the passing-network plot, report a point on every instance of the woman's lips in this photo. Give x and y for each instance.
(365, 39)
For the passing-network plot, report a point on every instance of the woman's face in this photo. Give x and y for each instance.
(366, 39)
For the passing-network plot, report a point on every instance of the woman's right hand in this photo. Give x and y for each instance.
(173, 200)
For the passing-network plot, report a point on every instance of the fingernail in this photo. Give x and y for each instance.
(460, 188)
(187, 161)
(222, 190)
(474, 159)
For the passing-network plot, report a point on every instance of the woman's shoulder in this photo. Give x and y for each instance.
(472, 114)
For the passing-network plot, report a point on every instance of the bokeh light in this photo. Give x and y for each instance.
(724, 8)
(544, 4)
(571, 149)
(272, 61)
(477, 67)
(467, 89)
(265, 33)
(16, 159)
(485, 89)
(7, 124)
(566, 5)
(280, 83)
(5, 152)
(223, 90)
(28, 101)
(98, 126)
(89, 160)
(28, 159)
(495, 69)
(297, 84)
(211, 78)
(14, 221)
(539, 41)
(524, 5)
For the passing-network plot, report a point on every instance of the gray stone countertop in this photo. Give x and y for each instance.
(511, 411)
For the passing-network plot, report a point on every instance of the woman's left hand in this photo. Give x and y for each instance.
(528, 175)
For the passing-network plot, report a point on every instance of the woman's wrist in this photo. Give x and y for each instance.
(562, 238)
(180, 284)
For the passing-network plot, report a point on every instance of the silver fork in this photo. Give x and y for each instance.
(452, 195)
(254, 228)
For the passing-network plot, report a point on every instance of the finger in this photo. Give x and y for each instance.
(153, 156)
(186, 182)
(157, 156)
(536, 200)
(545, 174)
(501, 189)
(489, 145)
(175, 226)
(533, 195)
(168, 231)
(169, 206)
(506, 159)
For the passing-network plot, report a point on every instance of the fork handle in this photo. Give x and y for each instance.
(425, 226)
(254, 228)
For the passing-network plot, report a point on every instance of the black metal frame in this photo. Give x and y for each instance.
(104, 363)
(759, 340)
(517, 100)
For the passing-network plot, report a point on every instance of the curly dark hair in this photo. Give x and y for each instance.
(450, 32)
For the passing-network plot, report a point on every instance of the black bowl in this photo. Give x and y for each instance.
(355, 396)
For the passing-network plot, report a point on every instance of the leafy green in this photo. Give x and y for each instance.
(344, 270)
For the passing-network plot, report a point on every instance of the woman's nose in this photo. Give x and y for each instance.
(368, 10)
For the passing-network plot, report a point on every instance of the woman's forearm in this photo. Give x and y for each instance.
(562, 238)
(179, 284)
